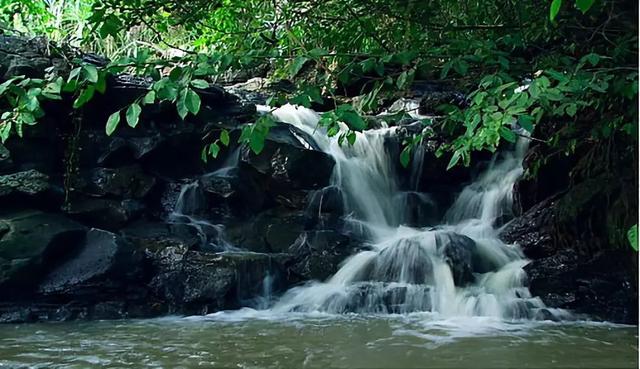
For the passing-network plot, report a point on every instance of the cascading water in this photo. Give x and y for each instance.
(458, 268)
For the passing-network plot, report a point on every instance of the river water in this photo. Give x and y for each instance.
(249, 339)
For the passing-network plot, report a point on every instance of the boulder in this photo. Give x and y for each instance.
(198, 283)
(30, 242)
(317, 255)
(291, 161)
(106, 265)
(271, 231)
(458, 252)
(29, 183)
(124, 182)
(109, 214)
(6, 163)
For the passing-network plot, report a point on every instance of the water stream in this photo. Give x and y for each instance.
(458, 268)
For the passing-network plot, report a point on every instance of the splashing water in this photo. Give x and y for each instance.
(458, 268)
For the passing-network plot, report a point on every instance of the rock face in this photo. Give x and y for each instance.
(135, 224)
(575, 210)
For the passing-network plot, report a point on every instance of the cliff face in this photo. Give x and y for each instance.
(575, 211)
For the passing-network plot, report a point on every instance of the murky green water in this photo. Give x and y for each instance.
(223, 340)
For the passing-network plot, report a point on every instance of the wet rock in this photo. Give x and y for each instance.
(531, 231)
(6, 164)
(104, 265)
(238, 191)
(154, 236)
(458, 252)
(29, 57)
(324, 209)
(30, 182)
(287, 158)
(271, 231)
(124, 182)
(317, 255)
(109, 214)
(31, 241)
(198, 282)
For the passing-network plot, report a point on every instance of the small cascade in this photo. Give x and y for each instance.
(188, 210)
(456, 268)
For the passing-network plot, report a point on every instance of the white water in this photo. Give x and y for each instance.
(406, 269)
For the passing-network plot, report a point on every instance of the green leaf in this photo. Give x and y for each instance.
(454, 159)
(405, 156)
(507, 134)
(526, 122)
(554, 9)
(133, 115)
(149, 98)
(192, 101)
(351, 138)
(402, 80)
(571, 110)
(112, 122)
(353, 120)
(224, 137)
(199, 83)
(256, 141)
(297, 65)
(84, 97)
(632, 236)
(90, 72)
(584, 5)
(214, 150)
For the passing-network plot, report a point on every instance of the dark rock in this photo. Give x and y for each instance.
(198, 282)
(531, 231)
(155, 236)
(30, 242)
(29, 57)
(271, 231)
(318, 254)
(287, 158)
(123, 182)
(458, 252)
(29, 183)
(6, 163)
(109, 214)
(104, 265)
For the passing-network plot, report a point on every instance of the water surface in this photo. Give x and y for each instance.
(250, 340)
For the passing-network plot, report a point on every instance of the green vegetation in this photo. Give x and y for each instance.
(525, 62)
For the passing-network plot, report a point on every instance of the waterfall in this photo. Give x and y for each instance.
(458, 268)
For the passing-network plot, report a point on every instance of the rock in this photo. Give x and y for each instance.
(29, 57)
(317, 255)
(30, 182)
(287, 159)
(458, 252)
(238, 191)
(531, 231)
(124, 182)
(6, 164)
(109, 214)
(197, 282)
(105, 265)
(271, 231)
(325, 209)
(30, 242)
(155, 236)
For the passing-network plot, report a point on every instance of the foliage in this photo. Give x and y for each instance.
(517, 65)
